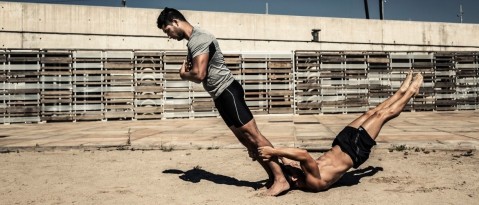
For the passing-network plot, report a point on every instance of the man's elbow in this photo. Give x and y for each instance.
(318, 187)
(304, 155)
(193, 76)
(199, 77)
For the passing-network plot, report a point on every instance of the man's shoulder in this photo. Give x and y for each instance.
(201, 32)
(202, 35)
(199, 40)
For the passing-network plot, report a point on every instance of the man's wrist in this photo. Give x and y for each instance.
(183, 75)
(274, 151)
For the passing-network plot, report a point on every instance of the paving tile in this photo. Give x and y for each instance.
(432, 129)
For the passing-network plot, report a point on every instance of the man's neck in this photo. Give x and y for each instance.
(188, 28)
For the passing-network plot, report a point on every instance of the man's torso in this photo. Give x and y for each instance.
(218, 75)
(333, 164)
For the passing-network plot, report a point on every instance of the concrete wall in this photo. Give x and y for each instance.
(25, 25)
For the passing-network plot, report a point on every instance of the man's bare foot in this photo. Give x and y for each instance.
(406, 82)
(269, 183)
(416, 84)
(277, 188)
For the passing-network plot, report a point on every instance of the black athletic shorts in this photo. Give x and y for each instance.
(355, 142)
(232, 106)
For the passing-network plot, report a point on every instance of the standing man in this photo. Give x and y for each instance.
(205, 64)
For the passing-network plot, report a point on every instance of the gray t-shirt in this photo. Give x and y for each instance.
(218, 76)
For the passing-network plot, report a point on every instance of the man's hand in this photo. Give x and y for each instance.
(194, 70)
(252, 155)
(266, 152)
(184, 69)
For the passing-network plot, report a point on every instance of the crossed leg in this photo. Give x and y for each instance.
(373, 120)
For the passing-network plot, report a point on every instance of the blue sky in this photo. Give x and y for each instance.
(407, 10)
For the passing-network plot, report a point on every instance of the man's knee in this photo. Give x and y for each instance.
(371, 112)
(387, 113)
(253, 139)
(250, 132)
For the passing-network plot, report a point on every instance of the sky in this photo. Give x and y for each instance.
(404, 10)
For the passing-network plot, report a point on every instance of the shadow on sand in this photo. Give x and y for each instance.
(352, 178)
(195, 175)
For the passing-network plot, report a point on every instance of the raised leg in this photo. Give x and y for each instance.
(374, 123)
(397, 95)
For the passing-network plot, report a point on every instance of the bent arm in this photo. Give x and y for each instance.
(197, 72)
(307, 163)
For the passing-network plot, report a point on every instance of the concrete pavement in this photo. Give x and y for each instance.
(430, 130)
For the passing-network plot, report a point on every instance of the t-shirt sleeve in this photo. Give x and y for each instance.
(199, 46)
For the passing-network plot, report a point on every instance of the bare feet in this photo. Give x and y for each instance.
(406, 82)
(268, 184)
(280, 184)
(416, 84)
(277, 188)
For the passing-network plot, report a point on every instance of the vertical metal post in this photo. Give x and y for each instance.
(461, 13)
(267, 8)
(293, 86)
(381, 9)
(366, 8)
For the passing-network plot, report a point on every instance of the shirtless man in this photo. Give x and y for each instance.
(351, 147)
(205, 64)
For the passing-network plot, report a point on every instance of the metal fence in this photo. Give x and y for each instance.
(75, 85)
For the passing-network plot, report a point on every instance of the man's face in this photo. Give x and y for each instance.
(173, 31)
(296, 175)
(298, 180)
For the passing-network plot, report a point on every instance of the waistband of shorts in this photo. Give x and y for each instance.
(221, 91)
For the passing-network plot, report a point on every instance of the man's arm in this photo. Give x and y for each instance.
(308, 164)
(198, 71)
(290, 153)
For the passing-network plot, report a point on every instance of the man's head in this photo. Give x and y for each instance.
(295, 177)
(169, 21)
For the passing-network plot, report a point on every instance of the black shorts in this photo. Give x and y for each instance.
(232, 106)
(355, 142)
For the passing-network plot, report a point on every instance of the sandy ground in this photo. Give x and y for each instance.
(227, 176)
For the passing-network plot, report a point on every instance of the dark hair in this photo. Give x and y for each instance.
(290, 171)
(167, 16)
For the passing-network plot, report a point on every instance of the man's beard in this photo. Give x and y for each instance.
(181, 36)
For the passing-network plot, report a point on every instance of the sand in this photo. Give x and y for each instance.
(227, 176)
